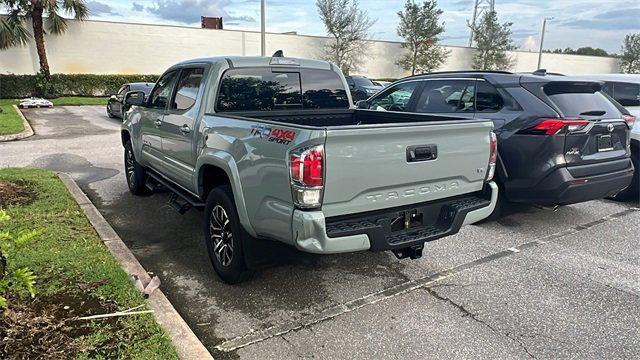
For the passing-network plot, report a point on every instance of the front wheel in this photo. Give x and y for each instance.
(224, 236)
(109, 113)
(135, 173)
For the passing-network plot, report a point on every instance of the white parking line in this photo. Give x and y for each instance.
(340, 309)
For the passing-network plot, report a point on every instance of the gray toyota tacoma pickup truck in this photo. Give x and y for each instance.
(272, 150)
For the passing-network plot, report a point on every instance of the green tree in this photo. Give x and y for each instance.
(630, 58)
(349, 27)
(493, 40)
(420, 27)
(587, 50)
(13, 31)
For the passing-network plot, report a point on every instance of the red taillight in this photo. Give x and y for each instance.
(307, 176)
(493, 156)
(306, 166)
(553, 126)
(630, 120)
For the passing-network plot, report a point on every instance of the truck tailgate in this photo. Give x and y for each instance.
(379, 167)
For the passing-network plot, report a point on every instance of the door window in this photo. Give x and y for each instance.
(627, 94)
(187, 89)
(487, 98)
(162, 92)
(447, 96)
(396, 98)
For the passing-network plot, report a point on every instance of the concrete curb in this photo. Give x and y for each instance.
(185, 341)
(28, 131)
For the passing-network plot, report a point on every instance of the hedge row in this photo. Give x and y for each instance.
(21, 86)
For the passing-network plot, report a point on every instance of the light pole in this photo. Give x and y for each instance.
(544, 25)
(263, 48)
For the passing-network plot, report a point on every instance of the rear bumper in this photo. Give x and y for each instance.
(373, 230)
(570, 185)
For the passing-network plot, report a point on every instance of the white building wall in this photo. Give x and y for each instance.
(100, 47)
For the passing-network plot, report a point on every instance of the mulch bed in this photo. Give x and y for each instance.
(47, 327)
(16, 193)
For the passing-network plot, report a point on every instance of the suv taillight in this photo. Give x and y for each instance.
(493, 156)
(554, 126)
(306, 166)
(630, 120)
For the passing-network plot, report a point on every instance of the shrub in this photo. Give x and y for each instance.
(21, 86)
(20, 280)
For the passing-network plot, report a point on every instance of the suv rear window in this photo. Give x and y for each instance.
(581, 100)
(263, 89)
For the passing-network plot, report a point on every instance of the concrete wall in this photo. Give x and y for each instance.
(101, 47)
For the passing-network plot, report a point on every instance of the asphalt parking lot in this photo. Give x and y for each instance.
(534, 284)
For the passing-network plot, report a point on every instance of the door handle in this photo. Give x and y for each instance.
(158, 122)
(422, 153)
(185, 129)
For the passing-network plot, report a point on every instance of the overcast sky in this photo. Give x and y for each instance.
(577, 23)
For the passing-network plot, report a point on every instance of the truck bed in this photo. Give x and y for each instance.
(340, 117)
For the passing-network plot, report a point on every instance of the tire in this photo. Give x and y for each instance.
(134, 172)
(109, 113)
(225, 237)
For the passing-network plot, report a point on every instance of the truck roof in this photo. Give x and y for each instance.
(259, 61)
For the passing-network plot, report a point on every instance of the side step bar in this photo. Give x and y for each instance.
(180, 200)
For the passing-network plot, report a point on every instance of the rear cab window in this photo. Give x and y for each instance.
(264, 89)
(581, 100)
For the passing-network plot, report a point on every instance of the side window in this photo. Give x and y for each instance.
(607, 88)
(488, 99)
(627, 94)
(446, 96)
(187, 89)
(395, 98)
(162, 92)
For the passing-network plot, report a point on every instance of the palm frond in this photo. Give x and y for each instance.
(12, 31)
(56, 24)
(79, 8)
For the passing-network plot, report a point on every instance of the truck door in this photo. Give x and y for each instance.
(178, 127)
(152, 116)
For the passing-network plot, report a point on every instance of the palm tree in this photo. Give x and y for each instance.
(14, 33)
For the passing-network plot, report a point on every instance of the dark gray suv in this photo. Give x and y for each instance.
(561, 140)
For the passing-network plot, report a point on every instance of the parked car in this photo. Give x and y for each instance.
(625, 89)
(382, 83)
(561, 140)
(273, 151)
(361, 87)
(115, 104)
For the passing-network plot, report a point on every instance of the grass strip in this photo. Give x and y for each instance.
(70, 253)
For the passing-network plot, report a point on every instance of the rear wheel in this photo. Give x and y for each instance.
(135, 173)
(224, 236)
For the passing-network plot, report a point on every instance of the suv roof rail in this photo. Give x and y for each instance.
(460, 72)
(467, 71)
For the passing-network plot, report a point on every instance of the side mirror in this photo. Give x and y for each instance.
(134, 98)
(362, 104)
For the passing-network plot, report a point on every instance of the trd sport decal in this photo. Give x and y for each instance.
(277, 135)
